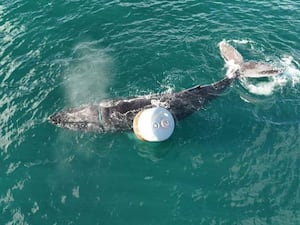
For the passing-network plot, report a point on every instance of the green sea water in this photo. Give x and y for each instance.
(235, 162)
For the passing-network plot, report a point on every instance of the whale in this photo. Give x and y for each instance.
(250, 69)
(118, 114)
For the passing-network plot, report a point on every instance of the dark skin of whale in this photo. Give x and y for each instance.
(118, 115)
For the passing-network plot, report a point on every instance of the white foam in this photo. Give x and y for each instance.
(232, 68)
(63, 199)
(292, 72)
(17, 218)
(243, 41)
(12, 167)
(35, 208)
(264, 88)
(76, 192)
(8, 198)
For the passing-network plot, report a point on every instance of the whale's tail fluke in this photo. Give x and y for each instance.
(246, 69)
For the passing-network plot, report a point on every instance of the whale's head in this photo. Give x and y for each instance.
(85, 118)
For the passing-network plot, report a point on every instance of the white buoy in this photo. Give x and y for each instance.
(154, 124)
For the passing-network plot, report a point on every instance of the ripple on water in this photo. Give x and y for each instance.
(266, 175)
(22, 88)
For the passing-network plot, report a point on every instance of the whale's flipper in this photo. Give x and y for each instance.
(230, 54)
(246, 69)
(259, 69)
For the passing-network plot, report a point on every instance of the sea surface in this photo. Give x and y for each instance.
(237, 161)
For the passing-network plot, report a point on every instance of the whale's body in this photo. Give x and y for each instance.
(118, 115)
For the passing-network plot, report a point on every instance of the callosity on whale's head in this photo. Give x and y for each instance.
(83, 118)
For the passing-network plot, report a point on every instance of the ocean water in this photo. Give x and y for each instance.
(235, 162)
